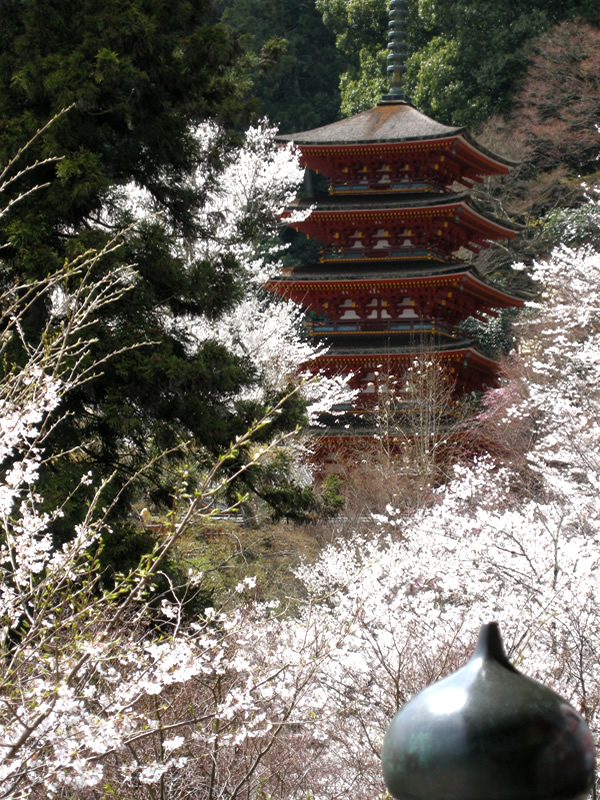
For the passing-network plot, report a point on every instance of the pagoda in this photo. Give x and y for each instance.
(390, 281)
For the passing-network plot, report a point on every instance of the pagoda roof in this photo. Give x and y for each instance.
(387, 346)
(350, 270)
(334, 202)
(335, 210)
(464, 280)
(388, 123)
(359, 355)
(407, 202)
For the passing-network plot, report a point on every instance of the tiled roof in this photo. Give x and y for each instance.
(387, 122)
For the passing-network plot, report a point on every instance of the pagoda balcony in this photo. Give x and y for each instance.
(362, 187)
(372, 253)
(331, 328)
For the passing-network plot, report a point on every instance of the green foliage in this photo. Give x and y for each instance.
(356, 23)
(362, 88)
(359, 29)
(468, 68)
(287, 498)
(293, 60)
(302, 251)
(332, 497)
(466, 56)
(495, 337)
(574, 227)
(430, 74)
(137, 76)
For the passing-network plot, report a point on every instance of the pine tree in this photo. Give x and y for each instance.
(296, 64)
(137, 78)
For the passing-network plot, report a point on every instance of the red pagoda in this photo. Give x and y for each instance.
(389, 282)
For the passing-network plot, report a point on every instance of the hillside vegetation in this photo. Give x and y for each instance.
(188, 610)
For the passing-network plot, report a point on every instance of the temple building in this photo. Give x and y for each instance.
(390, 281)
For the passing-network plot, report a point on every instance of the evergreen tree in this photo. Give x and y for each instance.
(360, 33)
(137, 76)
(295, 65)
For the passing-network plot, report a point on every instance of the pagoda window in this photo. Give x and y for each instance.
(408, 313)
(405, 310)
(378, 308)
(348, 310)
(356, 240)
(384, 175)
(405, 238)
(381, 239)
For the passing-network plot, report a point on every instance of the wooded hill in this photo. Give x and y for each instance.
(150, 648)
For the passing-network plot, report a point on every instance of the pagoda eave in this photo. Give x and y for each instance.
(377, 359)
(469, 369)
(329, 223)
(421, 229)
(393, 289)
(453, 158)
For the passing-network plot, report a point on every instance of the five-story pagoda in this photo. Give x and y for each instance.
(389, 282)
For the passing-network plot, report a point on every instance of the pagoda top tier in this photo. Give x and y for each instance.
(394, 146)
(394, 121)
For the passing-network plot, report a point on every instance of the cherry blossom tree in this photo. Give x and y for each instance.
(105, 690)
(114, 688)
(115, 691)
(258, 183)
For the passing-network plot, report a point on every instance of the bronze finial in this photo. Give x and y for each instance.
(396, 59)
(486, 731)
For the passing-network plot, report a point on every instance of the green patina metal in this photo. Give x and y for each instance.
(398, 51)
(488, 731)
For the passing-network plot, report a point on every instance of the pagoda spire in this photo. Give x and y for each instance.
(398, 50)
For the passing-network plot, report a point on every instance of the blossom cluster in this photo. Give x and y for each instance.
(102, 690)
(257, 185)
